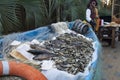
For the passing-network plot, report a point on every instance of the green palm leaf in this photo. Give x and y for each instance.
(22, 15)
(8, 18)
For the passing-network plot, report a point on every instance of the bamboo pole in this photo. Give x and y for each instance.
(113, 2)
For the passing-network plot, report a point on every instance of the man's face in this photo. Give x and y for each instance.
(93, 3)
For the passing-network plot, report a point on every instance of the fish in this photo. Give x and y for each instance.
(37, 47)
(42, 54)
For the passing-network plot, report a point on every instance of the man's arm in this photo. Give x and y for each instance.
(88, 13)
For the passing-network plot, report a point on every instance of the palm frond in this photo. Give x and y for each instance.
(19, 15)
(8, 17)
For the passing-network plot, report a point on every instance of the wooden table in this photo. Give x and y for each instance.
(111, 35)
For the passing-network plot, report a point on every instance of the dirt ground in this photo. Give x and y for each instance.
(111, 62)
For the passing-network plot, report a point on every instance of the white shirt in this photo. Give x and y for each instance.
(88, 13)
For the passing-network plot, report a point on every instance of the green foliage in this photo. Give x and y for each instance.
(104, 10)
(7, 18)
(22, 15)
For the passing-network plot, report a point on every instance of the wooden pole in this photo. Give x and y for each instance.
(113, 2)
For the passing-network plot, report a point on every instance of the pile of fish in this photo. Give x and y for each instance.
(71, 52)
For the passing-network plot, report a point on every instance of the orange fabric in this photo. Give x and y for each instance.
(96, 10)
(24, 70)
(97, 20)
(97, 24)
